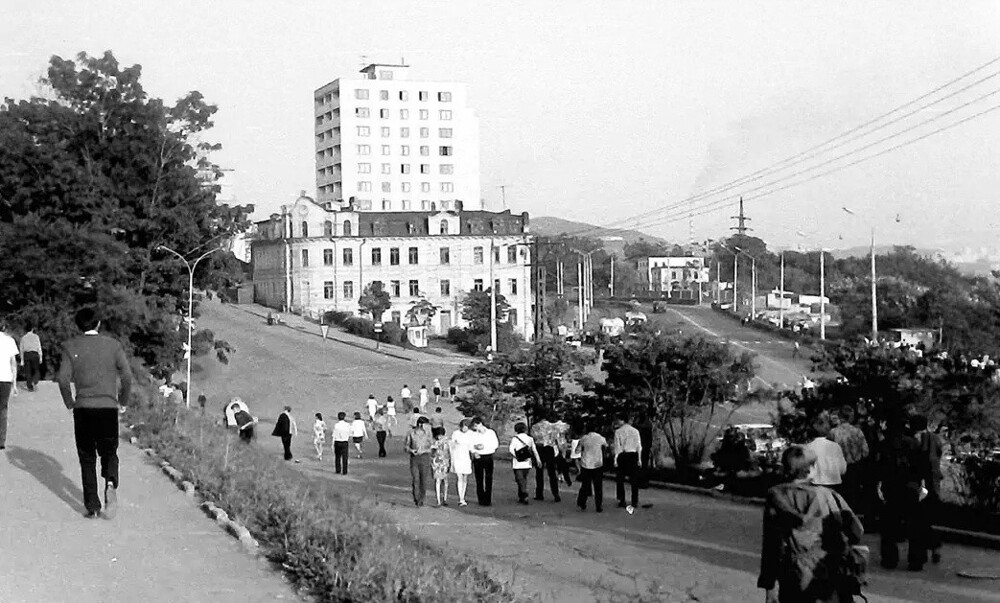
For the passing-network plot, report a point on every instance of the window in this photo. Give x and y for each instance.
(328, 257)
(404, 114)
(361, 112)
(512, 254)
(496, 255)
(386, 204)
(444, 132)
(422, 95)
(444, 97)
(383, 95)
(445, 255)
(348, 257)
(364, 131)
(364, 186)
(445, 151)
(386, 187)
(305, 258)
(477, 285)
(445, 288)
(348, 289)
(445, 114)
(394, 256)
(376, 256)
(425, 132)
(512, 317)
(447, 187)
(328, 229)
(327, 289)
(405, 187)
(404, 132)
(513, 286)
(424, 114)
(397, 317)
(405, 203)
(386, 150)
(444, 227)
(414, 288)
(404, 150)
(364, 168)
(496, 285)
(447, 168)
(383, 113)
(347, 228)
(425, 205)
(404, 168)
(361, 94)
(386, 131)
(477, 255)
(394, 288)
(445, 205)
(385, 74)
(386, 168)
(414, 256)
(425, 187)
(364, 149)
(404, 95)
(305, 228)
(425, 168)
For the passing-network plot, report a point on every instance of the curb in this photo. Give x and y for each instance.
(234, 528)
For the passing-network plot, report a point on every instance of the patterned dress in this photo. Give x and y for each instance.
(440, 458)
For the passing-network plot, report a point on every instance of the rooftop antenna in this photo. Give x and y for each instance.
(503, 194)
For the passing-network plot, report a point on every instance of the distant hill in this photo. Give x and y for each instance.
(548, 226)
(863, 251)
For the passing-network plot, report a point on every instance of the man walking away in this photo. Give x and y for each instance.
(544, 435)
(931, 449)
(485, 444)
(97, 366)
(830, 465)
(31, 356)
(855, 449)
(627, 452)
(8, 377)
(437, 419)
(406, 398)
(418, 444)
(285, 428)
(902, 468)
(591, 477)
(341, 443)
(523, 451)
(380, 425)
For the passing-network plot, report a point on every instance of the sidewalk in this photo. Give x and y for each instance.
(160, 547)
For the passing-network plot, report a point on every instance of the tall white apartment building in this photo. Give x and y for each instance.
(388, 143)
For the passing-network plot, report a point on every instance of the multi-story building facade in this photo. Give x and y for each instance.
(681, 276)
(311, 258)
(393, 144)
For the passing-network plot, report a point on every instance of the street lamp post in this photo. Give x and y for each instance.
(753, 282)
(190, 318)
(736, 267)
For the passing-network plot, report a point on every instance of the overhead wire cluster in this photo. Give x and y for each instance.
(856, 145)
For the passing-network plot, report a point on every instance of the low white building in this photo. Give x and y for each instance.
(315, 257)
(676, 276)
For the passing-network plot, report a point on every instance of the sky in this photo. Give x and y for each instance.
(596, 111)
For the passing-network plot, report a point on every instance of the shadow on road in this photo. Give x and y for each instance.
(49, 472)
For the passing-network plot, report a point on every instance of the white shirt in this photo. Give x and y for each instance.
(8, 351)
(423, 396)
(341, 431)
(519, 441)
(372, 406)
(358, 429)
(404, 393)
(830, 463)
(488, 439)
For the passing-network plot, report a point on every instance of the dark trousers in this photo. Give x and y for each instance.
(521, 479)
(903, 515)
(5, 389)
(32, 369)
(850, 489)
(340, 454)
(548, 466)
(380, 438)
(931, 506)
(591, 482)
(420, 472)
(96, 431)
(628, 468)
(286, 443)
(482, 468)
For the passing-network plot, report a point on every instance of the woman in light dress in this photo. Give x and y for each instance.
(390, 410)
(461, 458)
(319, 435)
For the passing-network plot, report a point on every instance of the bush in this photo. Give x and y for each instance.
(978, 483)
(393, 333)
(336, 317)
(471, 342)
(330, 545)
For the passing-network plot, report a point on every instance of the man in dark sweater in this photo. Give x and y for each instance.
(99, 369)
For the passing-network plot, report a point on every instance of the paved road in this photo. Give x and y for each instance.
(706, 542)
(160, 547)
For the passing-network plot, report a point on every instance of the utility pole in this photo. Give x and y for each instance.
(493, 305)
(611, 285)
(503, 194)
(781, 303)
(736, 278)
(822, 295)
(874, 294)
(579, 289)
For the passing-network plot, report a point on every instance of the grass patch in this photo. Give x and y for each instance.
(329, 544)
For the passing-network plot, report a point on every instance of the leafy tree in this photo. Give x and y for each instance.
(375, 300)
(680, 385)
(476, 309)
(422, 310)
(645, 248)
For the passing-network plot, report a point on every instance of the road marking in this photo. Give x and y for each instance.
(692, 542)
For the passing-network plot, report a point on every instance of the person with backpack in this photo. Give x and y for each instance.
(524, 451)
(810, 551)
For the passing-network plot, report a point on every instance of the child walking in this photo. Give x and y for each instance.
(440, 464)
(319, 435)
